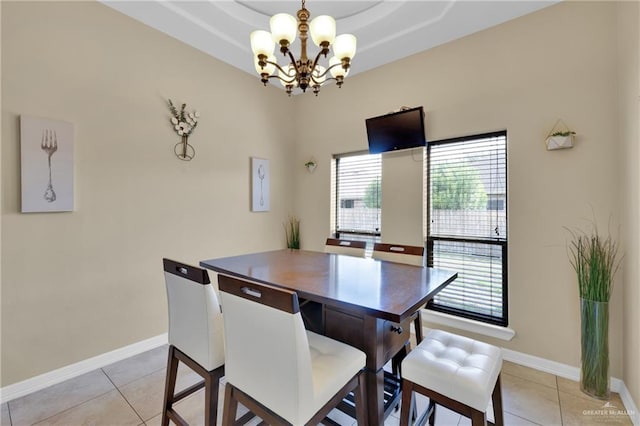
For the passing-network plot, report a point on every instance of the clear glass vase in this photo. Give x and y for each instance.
(594, 377)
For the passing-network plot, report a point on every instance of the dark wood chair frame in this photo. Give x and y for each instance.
(210, 383)
(478, 418)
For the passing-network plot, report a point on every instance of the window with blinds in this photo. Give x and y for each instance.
(357, 193)
(467, 224)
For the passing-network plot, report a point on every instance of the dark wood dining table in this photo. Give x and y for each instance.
(366, 303)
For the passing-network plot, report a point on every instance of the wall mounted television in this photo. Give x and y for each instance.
(395, 131)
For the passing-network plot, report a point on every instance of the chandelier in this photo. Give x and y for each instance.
(304, 72)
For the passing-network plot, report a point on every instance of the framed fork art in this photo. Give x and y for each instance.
(46, 148)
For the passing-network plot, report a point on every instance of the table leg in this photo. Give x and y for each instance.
(374, 395)
(376, 338)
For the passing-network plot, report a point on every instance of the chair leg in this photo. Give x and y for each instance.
(361, 411)
(418, 326)
(211, 384)
(211, 387)
(432, 412)
(496, 397)
(230, 408)
(478, 418)
(407, 402)
(170, 384)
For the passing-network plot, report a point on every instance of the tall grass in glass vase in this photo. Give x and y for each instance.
(292, 232)
(595, 260)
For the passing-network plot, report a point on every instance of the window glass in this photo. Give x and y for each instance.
(357, 188)
(467, 224)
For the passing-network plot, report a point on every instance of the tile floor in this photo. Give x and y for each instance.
(130, 392)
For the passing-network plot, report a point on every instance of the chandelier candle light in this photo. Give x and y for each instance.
(303, 72)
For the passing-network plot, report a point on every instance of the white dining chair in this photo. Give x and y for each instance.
(348, 247)
(195, 337)
(278, 370)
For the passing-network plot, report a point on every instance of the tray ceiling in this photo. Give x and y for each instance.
(386, 30)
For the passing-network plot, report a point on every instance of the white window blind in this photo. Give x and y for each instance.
(358, 201)
(467, 232)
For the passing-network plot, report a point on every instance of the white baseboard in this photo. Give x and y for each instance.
(542, 364)
(629, 405)
(556, 368)
(59, 375)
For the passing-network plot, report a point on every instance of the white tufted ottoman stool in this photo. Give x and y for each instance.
(456, 372)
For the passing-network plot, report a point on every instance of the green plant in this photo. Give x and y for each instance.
(563, 133)
(310, 163)
(457, 186)
(595, 260)
(292, 232)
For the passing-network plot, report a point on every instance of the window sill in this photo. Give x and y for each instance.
(502, 333)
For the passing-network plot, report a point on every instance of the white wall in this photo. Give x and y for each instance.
(521, 76)
(75, 285)
(0, 196)
(402, 213)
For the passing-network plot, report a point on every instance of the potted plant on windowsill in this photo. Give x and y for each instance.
(595, 260)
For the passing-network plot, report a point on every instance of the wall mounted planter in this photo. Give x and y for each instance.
(559, 142)
(311, 165)
(560, 136)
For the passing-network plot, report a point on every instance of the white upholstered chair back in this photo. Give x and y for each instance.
(348, 247)
(267, 349)
(195, 319)
(410, 255)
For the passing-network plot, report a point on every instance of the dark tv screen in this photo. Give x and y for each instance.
(396, 131)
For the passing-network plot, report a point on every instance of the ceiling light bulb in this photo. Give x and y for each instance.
(345, 46)
(261, 43)
(337, 71)
(323, 29)
(283, 27)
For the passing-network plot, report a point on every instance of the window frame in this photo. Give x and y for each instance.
(500, 242)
